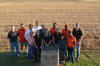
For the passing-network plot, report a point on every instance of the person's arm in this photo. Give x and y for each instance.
(50, 31)
(53, 39)
(44, 42)
(81, 35)
(75, 42)
(35, 44)
(26, 33)
(41, 42)
(49, 42)
(28, 38)
(18, 36)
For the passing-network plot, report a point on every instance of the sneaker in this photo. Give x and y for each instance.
(63, 62)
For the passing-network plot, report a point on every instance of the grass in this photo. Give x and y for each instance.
(87, 59)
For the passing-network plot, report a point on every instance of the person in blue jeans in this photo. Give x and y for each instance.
(71, 44)
(77, 32)
(12, 36)
(62, 44)
(31, 45)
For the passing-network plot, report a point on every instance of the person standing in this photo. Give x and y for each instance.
(39, 42)
(71, 44)
(37, 27)
(53, 29)
(28, 30)
(62, 48)
(56, 37)
(22, 40)
(47, 40)
(43, 31)
(66, 31)
(77, 32)
(13, 36)
(31, 46)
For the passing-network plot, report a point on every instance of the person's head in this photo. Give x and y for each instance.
(43, 26)
(62, 36)
(22, 26)
(37, 23)
(77, 25)
(12, 28)
(70, 34)
(30, 26)
(54, 25)
(66, 26)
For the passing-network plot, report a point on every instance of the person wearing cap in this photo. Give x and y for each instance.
(71, 44)
(36, 27)
(53, 29)
(13, 37)
(31, 46)
(22, 40)
(77, 32)
(66, 31)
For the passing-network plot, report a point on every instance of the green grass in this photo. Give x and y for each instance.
(87, 59)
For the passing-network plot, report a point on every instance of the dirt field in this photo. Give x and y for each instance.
(87, 14)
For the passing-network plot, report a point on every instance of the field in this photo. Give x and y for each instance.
(86, 12)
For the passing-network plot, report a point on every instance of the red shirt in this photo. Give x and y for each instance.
(53, 31)
(71, 41)
(21, 33)
(65, 32)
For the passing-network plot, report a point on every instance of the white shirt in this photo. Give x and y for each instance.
(27, 32)
(36, 28)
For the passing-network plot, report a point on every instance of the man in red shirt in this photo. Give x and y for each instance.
(22, 40)
(71, 45)
(53, 29)
(66, 31)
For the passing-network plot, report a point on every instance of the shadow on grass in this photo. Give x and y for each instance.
(6, 60)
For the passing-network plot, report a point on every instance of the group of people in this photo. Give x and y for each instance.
(37, 37)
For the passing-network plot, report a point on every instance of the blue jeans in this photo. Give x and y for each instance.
(78, 50)
(71, 54)
(63, 53)
(31, 51)
(14, 44)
